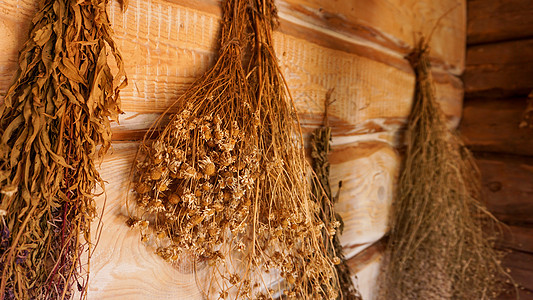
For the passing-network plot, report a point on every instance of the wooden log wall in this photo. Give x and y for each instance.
(498, 77)
(355, 47)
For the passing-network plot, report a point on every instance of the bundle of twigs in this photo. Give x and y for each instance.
(53, 117)
(225, 180)
(321, 190)
(437, 248)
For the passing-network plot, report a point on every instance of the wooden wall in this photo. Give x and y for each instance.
(498, 76)
(356, 47)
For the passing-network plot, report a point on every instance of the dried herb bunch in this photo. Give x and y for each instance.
(225, 180)
(195, 183)
(289, 227)
(52, 119)
(437, 248)
(321, 190)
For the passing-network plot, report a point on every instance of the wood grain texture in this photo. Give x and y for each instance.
(490, 21)
(511, 294)
(368, 279)
(492, 125)
(515, 237)
(368, 171)
(499, 69)
(507, 186)
(368, 255)
(360, 111)
(391, 24)
(166, 46)
(521, 266)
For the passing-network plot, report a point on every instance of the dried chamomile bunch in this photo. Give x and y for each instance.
(196, 183)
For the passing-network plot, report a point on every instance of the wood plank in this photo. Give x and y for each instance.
(510, 294)
(492, 125)
(500, 69)
(166, 46)
(521, 266)
(368, 279)
(490, 21)
(365, 197)
(518, 238)
(357, 48)
(392, 24)
(527, 117)
(370, 254)
(507, 186)
(386, 118)
(387, 24)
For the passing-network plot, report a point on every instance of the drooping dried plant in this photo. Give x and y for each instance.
(53, 117)
(225, 181)
(195, 182)
(437, 247)
(292, 238)
(321, 190)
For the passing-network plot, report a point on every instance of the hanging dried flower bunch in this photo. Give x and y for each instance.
(225, 180)
(437, 248)
(198, 174)
(52, 119)
(321, 189)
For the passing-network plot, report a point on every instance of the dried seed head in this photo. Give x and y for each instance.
(197, 220)
(144, 238)
(238, 194)
(163, 185)
(156, 173)
(174, 199)
(161, 235)
(291, 279)
(331, 231)
(206, 132)
(218, 207)
(207, 186)
(209, 169)
(142, 188)
(219, 135)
